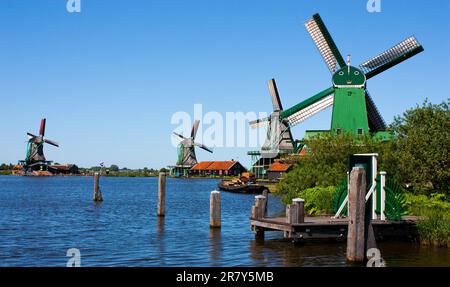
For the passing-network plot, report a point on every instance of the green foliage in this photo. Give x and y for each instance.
(114, 167)
(422, 148)
(327, 162)
(317, 199)
(434, 227)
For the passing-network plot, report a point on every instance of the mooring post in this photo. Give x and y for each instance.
(291, 213)
(97, 193)
(162, 194)
(258, 213)
(266, 203)
(260, 201)
(300, 203)
(214, 209)
(356, 215)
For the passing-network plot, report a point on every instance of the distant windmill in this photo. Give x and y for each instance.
(279, 136)
(35, 147)
(186, 148)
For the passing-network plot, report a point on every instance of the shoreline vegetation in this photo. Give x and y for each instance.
(416, 159)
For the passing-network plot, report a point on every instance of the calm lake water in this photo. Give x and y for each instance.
(41, 218)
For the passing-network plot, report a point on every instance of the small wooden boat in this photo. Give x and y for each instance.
(244, 184)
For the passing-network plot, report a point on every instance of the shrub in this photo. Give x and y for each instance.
(318, 200)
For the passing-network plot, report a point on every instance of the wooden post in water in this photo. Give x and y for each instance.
(260, 202)
(97, 193)
(300, 203)
(214, 209)
(162, 194)
(291, 213)
(258, 213)
(266, 203)
(356, 215)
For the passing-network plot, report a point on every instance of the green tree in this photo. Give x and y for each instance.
(422, 148)
(114, 168)
(326, 163)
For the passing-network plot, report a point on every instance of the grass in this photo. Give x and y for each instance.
(434, 227)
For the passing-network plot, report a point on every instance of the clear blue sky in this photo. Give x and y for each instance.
(109, 78)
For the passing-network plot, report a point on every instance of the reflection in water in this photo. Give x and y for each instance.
(160, 238)
(215, 246)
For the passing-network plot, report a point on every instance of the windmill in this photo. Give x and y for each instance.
(35, 158)
(354, 111)
(186, 151)
(279, 136)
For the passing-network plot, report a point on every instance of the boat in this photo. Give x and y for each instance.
(244, 184)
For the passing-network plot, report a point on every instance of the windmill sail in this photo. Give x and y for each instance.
(376, 121)
(276, 101)
(391, 57)
(322, 38)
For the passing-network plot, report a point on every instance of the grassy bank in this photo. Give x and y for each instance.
(434, 227)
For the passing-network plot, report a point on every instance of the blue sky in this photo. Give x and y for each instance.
(110, 78)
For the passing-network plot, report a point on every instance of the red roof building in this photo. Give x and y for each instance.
(218, 168)
(277, 170)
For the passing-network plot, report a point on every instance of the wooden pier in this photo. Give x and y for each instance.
(323, 227)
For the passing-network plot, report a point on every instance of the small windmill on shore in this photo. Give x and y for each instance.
(35, 158)
(186, 151)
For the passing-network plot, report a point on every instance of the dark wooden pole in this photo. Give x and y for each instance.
(97, 193)
(356, 215)
(162, 194)
(266, 204)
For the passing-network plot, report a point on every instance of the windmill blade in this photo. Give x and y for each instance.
(195, 129)
(276, 101)
(51, 142)
(179, 135)
(391, 57)
(31, 135)
(310, 110)
(202, 146)
(42, 128)
(308, 107)
(259, 123)
(376, 121)
(322, 38)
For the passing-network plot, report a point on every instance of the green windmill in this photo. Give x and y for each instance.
(354, 111)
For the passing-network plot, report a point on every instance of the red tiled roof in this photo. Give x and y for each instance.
(280, 167)
(201, 165)
(214, 165)
(221, 165)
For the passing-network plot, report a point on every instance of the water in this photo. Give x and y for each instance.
(41, 218)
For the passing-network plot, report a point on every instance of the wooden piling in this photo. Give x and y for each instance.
(291, 214)
(266, 203)
(97, 193)
(260, 202)
(356, 215)
(162, 194)
(300, 203)
(214, 209)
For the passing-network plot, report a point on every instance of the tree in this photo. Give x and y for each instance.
(422, 148)
(114, 168)
(326, 162)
